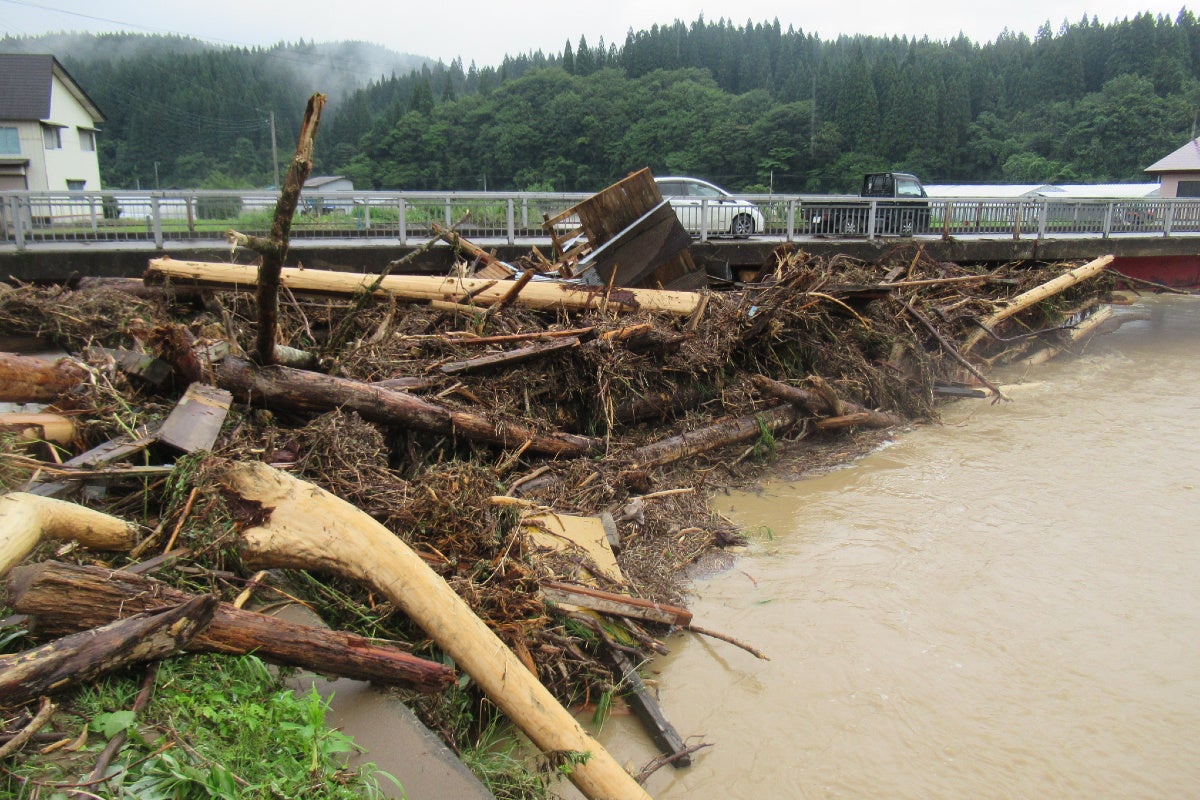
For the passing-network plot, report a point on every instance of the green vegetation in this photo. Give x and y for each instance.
(216, 727)
(752, 107)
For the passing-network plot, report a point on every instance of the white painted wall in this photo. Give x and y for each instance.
(71, 162)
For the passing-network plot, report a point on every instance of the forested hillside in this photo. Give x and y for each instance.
(750, 106)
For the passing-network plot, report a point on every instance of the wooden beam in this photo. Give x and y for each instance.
(542, 295)
(619, 605)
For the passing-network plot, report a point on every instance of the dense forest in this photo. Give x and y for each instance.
(752, 107)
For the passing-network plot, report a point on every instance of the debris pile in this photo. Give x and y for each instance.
(487, 438)
(451, 463)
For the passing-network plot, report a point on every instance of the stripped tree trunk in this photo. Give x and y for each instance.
(306, 527)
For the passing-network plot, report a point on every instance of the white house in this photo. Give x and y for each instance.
(48, 127)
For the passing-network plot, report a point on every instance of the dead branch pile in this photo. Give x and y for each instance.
(652, 411)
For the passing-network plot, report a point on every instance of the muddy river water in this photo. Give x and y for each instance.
(1006, 605)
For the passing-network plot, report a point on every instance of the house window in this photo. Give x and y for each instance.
(52, 136)
(1188, 189)
(75, 186)
(10, 142)
(87, 140)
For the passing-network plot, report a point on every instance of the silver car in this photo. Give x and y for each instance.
(700, 204)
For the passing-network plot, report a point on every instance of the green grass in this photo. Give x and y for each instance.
(217, 727)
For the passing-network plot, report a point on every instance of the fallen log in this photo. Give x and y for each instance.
(83, 656)
(25, 519)
(298, 390)
(64, 598)
(299, 525)
(818, 404)
(725, 432)
(1080, 333)
(29, 379)
(1037, 295)
(544, 295)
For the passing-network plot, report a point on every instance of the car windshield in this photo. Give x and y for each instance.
(907, 187)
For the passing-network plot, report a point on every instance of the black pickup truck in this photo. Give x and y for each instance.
(902, 209)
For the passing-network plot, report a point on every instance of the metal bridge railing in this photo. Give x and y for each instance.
(28, 218)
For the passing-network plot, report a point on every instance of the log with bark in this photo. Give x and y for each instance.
(299, 525)
(83, 656)
(720, 434)
(274, 248)
(25, 519)
(298, 390)
(29, 379)
(64, 598)
(821, 404)
(544, 295)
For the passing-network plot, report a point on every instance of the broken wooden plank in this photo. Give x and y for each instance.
(195, 421)
(104, 453)
(623, 212)
(644, 704)
(564, 531)
(630, 257)
(510, 357)
(143, 366)
(42, 426)
(619, 605)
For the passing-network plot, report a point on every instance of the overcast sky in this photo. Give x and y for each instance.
(484, 32)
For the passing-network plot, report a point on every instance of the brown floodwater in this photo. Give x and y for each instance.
(1006, 605)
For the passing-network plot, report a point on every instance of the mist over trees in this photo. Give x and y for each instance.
(750, 106)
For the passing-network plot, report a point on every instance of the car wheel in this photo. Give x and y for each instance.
(743, 225)
(849, 225)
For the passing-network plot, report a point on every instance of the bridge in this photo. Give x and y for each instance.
(59, 235)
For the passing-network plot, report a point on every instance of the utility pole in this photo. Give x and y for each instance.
(275, 153)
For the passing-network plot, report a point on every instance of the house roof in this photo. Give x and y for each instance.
(1185, 159)
(1105, 190)
(26, 80)
(999, 191)
(1013, 191)
(318, 181)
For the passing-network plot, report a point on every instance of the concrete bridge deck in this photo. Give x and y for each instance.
(63, 261)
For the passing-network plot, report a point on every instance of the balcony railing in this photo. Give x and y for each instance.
(182, 217)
